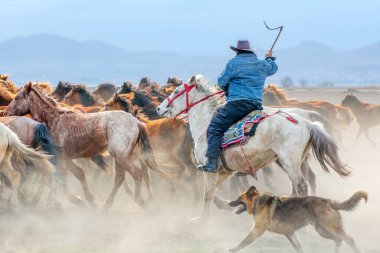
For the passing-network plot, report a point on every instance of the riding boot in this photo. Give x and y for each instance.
(210, 166)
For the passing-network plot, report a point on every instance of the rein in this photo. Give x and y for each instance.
(189, 104)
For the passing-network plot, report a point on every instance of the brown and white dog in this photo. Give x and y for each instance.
(285, 215)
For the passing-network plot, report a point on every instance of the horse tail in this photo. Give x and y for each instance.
(28, 156)
(43, 139)
(146, 148)
(326, 150)
(315, 116)
(351, 203)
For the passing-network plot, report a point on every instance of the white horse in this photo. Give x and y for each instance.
(12, 147)
(276, 138)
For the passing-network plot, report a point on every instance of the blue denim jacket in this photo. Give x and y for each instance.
(244, 77)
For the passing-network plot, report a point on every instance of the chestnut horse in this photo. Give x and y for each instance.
(81, 135)
(80, 95)
(367, 115)
(274, 96)
(174, 135)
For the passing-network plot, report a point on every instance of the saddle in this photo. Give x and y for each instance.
(240, 132)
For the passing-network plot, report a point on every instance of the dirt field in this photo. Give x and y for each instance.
(166, 227)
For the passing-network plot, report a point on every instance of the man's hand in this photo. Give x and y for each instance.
(268, 54)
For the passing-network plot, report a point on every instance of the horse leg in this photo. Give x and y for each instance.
(127, 188)
(293, 168)
(13, 177)
(78, 172)
(193, 180)
(235, 185)
(210, 180)
(137, 177)
(267, 175)
(221, 203)
(308, 173)
(119, 178)
(44, 180)
(369, 138)
(147, 179)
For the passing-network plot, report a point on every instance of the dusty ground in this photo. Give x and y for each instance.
(166, 227)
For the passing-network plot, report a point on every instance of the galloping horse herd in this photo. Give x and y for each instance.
(142, 131)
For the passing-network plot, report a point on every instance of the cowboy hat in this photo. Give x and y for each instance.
(242, 45)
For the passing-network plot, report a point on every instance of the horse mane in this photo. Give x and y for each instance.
(158, 94)
(126, 88)
(6, 94)
(86, 96)
(48, 102)
(173, 81)
(127, 106)
(142, 99)
(9, 85)
(62, 85)
(62, 89)
(45, 87)
(203, 86)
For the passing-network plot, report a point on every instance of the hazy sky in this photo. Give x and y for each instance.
(195, 26)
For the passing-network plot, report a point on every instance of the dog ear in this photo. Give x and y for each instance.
(251, 191)
(28, 87)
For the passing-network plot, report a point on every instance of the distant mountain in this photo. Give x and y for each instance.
(48, 57)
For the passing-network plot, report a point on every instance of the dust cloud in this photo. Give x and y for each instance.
(166, 225)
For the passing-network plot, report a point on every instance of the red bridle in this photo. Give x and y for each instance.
(189, 105)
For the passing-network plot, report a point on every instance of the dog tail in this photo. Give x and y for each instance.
(326, 150)
(351, 203)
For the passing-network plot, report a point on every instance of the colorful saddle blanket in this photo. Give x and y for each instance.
(240, 132)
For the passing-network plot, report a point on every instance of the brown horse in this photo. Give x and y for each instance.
(81, 135)
(105, 91)
(62, 89)
(80, 95)
(174, 135)
(367, 115)
(146, 102)
(274, 96)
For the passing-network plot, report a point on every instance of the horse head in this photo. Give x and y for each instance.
(20, 104)
(182, 97)
(62, 89)
(272, 95)
(105, 91)
(350, 100)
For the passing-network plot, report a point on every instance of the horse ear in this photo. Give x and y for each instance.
(252, 191)
(28, 87)
(192, 80)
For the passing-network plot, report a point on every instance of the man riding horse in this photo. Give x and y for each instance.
(242, 80)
